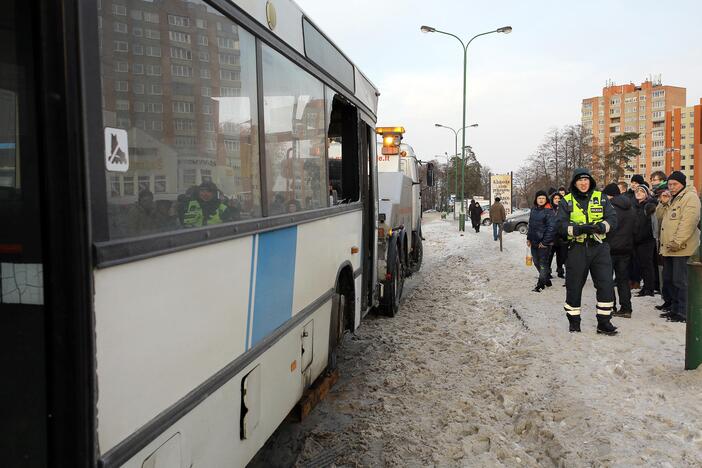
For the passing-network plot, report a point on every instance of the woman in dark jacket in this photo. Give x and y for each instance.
(475, 211)
(540, 238)
(560, 245)
(644, 242)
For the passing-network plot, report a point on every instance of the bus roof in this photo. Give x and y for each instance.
(290, 23)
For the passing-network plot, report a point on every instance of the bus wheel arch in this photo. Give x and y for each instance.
(342, 312)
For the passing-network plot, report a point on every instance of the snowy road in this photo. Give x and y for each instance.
(476, 370)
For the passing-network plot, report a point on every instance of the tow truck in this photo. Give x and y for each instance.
(400, 251)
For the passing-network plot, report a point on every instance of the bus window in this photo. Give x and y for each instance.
(294, 121)
(183, 86)
(344, 165)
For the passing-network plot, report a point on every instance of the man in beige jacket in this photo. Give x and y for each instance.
(679, 215)
(497, 217)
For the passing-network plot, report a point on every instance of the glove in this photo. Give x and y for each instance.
(674, 246)
(580, 229)
(599, 228)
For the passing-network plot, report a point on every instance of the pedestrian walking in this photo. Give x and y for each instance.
(497, 217)
(540, 238)
(679, 215)
(474, 211)
(560, 245)
(586, 216)
(621, 247)
(644, 241)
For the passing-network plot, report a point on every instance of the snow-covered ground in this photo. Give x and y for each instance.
(477, 370)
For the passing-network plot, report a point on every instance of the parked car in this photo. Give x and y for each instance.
(485, 215)
(517, 221)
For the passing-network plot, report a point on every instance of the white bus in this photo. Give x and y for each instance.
(175, 269)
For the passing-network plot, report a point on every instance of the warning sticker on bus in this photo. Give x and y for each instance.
(116, 150)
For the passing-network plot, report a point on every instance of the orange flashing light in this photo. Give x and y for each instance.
(355, 250)
(293, 365)
(384, 130)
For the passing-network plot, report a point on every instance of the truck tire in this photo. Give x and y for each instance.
(523, 228)
(392, 291)
(417, 253)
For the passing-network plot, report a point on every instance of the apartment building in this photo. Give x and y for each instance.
(633, 108)
(683, 138)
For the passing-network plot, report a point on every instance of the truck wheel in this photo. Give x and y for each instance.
(393, 288)
(417, 254)
(523, 228)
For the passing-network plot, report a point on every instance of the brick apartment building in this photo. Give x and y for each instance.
(683, 135)
(631, 108)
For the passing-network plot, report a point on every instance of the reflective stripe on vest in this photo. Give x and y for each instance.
(595, 213)
(194, 216)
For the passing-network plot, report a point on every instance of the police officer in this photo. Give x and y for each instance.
(206, 208)
(585, 216)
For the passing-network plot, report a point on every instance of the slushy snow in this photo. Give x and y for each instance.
(477, 370)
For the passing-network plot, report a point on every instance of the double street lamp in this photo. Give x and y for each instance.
(429, 29)
(455, 175)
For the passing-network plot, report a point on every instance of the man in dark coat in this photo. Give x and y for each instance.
(540, 238)
(474, 211)
(621, 246)
(586, 216)
(560, 245)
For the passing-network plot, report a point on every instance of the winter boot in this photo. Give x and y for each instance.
(574, 321)
(548, 283)
(645, 292)
(604, 325)
(622, 312)
(539, 287)
(561, 274)
(666, 306)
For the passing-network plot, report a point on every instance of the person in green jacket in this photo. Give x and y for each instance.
(206, 208)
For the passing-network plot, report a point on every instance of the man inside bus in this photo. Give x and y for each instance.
(205, 207)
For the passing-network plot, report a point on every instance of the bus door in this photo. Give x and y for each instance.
(370, 211)
(40, 391)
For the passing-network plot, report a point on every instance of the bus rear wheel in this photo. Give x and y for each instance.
(417, 253)
(393, 287)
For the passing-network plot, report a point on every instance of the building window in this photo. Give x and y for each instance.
(121, 46)
(177, 36)
(121, 67)
(128, 184)
(202, 40)
(180, 53)
(182, 71)
(153, 34)
(121, 86)
(138, 49)
(182, 107)
(227, 43)
(160, 184)
(153, 70)
(205, 73)
(119, 10)
(151, 17)
(228, 91)
(120, 27)
(182, 21)
(204, 56)
(153, 51)
(122, 104)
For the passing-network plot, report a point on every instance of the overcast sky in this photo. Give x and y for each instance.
(519, 85)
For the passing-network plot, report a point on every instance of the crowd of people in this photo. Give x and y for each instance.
(635, 236)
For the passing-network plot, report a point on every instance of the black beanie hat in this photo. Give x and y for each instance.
(540, 193)
(612, 190)
(679, 176)
(638, 178)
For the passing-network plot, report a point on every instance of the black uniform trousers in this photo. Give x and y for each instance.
(644, 255)
(594, 258)
(620, 264)
(560, 251)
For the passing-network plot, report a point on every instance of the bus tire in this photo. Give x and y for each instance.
(341, 314)
(417, 253)
(393, 287)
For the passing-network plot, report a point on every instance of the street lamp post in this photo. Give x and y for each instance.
(455, 175)
(429, 29)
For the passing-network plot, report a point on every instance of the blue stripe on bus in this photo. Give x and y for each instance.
(275, 275)
(249, 310)
(7, 146)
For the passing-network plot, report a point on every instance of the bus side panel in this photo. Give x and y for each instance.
(323, 246)
(210, 434)
(165, 325)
